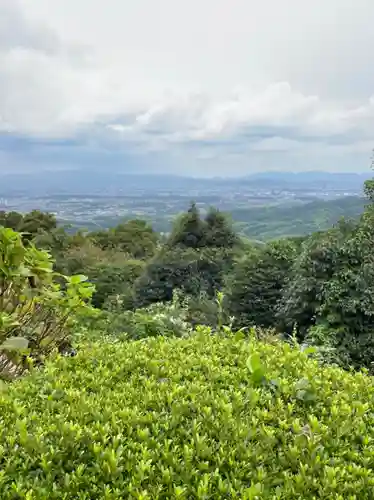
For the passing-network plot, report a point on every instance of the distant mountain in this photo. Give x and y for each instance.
(314, 180)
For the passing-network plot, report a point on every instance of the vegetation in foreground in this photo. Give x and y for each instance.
(162, 400)
(207, 416)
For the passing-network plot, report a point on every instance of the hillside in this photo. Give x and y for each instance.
(281, 221)
(264, 222)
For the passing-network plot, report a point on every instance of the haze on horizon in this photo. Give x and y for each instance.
(214, 87)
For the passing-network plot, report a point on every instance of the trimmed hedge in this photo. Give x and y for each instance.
(201, 417)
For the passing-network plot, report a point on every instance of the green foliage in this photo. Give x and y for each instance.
(314, 267)
(330, 297)
(188, 230)
(255, 285)
(191, 231)
(134, 237)
(191, 271)
(168, 319)
(199, 417)
(114, 282)
(369, 189)
(219, 232)
(274, 221)
(31, 224)
(195, 259)
(36, 314)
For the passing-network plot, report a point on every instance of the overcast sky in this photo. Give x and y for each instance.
(209, 87)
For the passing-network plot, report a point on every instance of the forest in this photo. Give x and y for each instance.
(200, 364)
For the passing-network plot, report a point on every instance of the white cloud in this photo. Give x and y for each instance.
(211, 81)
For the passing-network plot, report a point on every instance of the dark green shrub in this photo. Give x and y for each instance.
(255, 286)
(192, 271)
(114, 280)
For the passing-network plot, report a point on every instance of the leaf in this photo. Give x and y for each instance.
(306, 395)
(239, 336)
(253, 362)
(302, 383)
(304, 391)
(77, 279)
(309, 350)
(14, 344)
(256, 368)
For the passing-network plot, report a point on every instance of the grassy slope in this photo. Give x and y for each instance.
(187, 418)
(273, 222)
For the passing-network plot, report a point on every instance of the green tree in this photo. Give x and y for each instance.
(314, 267)
(190, 270)
(188, 230)
(12, 220)
(195, 259)
(135, 237)
(114, 281)
(36, 222)
(30, 224)
(218, 230)
(347, 310)
(255, 285)
(330, 298)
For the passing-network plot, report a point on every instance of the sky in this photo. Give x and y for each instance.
(189, 87)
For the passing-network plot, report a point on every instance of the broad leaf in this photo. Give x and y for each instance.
(14, 344)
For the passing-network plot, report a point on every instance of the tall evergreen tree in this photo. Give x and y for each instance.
(219, 232)
(188, 231)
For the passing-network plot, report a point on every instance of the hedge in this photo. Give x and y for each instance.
(202, 417)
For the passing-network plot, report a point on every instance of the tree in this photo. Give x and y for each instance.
(114, 280)
(255, 286)
(12, 220)
(218, 230)
(330, 298)
(135, 237)
(347, 310)
(188, 230)
(31, 224)
(195, 259)
(303, 293)
(36, 222)
(193, 271)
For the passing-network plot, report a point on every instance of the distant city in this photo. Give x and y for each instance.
(102, 200)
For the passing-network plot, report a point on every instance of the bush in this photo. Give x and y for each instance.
(254, 287)
(199, 417)
(192, 271)
(37, 314)
(112, 280)
(134, 237)
(157, 319)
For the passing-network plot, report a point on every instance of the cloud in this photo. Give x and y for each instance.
(224, 87)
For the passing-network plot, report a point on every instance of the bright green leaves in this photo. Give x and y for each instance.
(256, 369)
(187, 418)
(77, 279)
(305, 391)
(37, 311)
